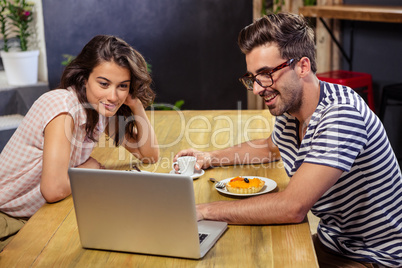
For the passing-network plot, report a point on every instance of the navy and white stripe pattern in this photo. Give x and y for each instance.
(361, 215)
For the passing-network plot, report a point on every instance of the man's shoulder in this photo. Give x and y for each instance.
(335, 95)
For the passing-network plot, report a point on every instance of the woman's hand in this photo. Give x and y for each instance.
(91, 163)
(133, 103)
(144, 144)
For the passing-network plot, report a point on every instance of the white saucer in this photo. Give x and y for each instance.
(196, 175)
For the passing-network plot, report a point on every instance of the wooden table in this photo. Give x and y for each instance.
(51, 239)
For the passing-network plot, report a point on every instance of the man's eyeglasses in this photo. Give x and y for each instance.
(264, 78)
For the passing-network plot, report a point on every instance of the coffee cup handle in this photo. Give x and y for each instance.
(175, 163)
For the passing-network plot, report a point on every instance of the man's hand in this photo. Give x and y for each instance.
(200, 216)
(203, 158)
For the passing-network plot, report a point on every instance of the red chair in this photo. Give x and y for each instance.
(360, 82)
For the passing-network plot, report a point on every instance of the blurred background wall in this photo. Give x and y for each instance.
(191, 45)
(377, 47)
(378, 50)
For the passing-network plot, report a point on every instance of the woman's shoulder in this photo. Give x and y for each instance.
(55, 102)
(57, 94)
(57, 97)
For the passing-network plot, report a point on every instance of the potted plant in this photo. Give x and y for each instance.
(20, 64)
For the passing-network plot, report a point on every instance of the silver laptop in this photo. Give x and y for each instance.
(149, 213)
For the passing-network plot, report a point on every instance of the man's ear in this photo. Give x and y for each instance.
(305, 66)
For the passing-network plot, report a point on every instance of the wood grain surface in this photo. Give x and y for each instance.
(51, 239)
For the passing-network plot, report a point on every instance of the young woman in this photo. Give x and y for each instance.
(104, 89)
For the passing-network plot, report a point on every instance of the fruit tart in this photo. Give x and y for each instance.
(240, 185)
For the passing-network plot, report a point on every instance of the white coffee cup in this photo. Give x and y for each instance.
(186, 165)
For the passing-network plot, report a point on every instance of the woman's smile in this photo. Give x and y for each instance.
(107, 88)
(108, 106)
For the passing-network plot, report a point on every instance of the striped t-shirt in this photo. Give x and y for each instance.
(21, 159)
(361, 215)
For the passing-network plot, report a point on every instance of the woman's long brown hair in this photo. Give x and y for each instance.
(104, 48)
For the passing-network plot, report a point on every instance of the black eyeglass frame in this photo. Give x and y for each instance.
(253, 78)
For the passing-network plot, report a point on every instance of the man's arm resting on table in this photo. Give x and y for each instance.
(308, 184)
(249, 152)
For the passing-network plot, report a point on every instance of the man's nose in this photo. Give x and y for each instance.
(257, 89)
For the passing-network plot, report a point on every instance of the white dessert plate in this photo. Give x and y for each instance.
(196, 175)
(269, 186)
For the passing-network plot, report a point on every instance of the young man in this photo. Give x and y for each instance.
(333, 146)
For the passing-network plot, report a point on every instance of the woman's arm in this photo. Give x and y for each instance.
(144, 145)
(55, 183)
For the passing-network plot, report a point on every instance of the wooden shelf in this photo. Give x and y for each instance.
(391, 14)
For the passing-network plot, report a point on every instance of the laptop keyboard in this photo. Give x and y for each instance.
(202, 236)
